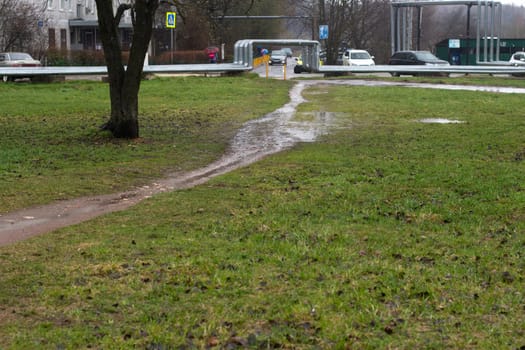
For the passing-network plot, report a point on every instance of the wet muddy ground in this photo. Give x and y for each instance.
(258, 138)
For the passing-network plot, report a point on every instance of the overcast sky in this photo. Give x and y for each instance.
(515, 2)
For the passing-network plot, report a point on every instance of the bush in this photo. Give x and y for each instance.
(180, 57)
(77, 58)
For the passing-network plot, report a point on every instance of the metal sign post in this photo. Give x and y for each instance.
(171, 22)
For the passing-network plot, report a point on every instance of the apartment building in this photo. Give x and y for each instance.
(72, 25)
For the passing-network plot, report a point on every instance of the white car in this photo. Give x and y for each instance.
(16, 59)
(517, 59)
(352, 57)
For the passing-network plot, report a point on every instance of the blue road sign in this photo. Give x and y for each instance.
(171, 19)
(323, 32)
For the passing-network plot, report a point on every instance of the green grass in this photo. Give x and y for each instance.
(387, 233)
(52, 146)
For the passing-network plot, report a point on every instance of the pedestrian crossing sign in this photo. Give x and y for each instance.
(171, 19)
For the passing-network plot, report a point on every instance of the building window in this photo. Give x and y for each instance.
(89, 7)
(51, 34)
(65, 5)
(49, 4)
(63, 39)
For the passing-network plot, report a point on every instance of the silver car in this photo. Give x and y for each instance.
(517, 59)
(17, 59)
(277, 57)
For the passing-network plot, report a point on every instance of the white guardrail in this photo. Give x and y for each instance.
(232, 67)
(95, 70)
(243, 61)
(481, 69)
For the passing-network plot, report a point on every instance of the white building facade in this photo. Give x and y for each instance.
(72, 25)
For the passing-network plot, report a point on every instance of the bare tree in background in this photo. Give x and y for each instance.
(335, 14)
(198, 21)
(206, 18)
(377, 29)
(365, 18)
(19, 30)
(441, 22)
(353, 23)
(356, 24)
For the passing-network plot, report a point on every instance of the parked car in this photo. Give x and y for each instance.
(17, 59)
(352, 57)
(517, 59)
(424, 58)
(287, 51)
(277, 57)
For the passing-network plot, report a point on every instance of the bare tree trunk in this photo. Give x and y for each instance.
(124, 83)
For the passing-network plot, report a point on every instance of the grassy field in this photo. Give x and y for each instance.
(386, 234)
(52, 148)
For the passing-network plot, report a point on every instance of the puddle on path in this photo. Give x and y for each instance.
(272, 133)
(258, 138)
(440, 121)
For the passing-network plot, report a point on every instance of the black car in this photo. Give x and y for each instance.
(424, 58)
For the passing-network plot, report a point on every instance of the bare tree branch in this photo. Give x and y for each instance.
(18, 26)
(120, 12)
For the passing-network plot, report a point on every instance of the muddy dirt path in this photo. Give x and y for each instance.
(255, 140)
(270, 134)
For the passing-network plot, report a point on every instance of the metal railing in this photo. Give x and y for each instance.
(244, 58)
(96, 70)
(415, 69)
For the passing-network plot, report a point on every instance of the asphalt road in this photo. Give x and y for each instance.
(283, 72)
